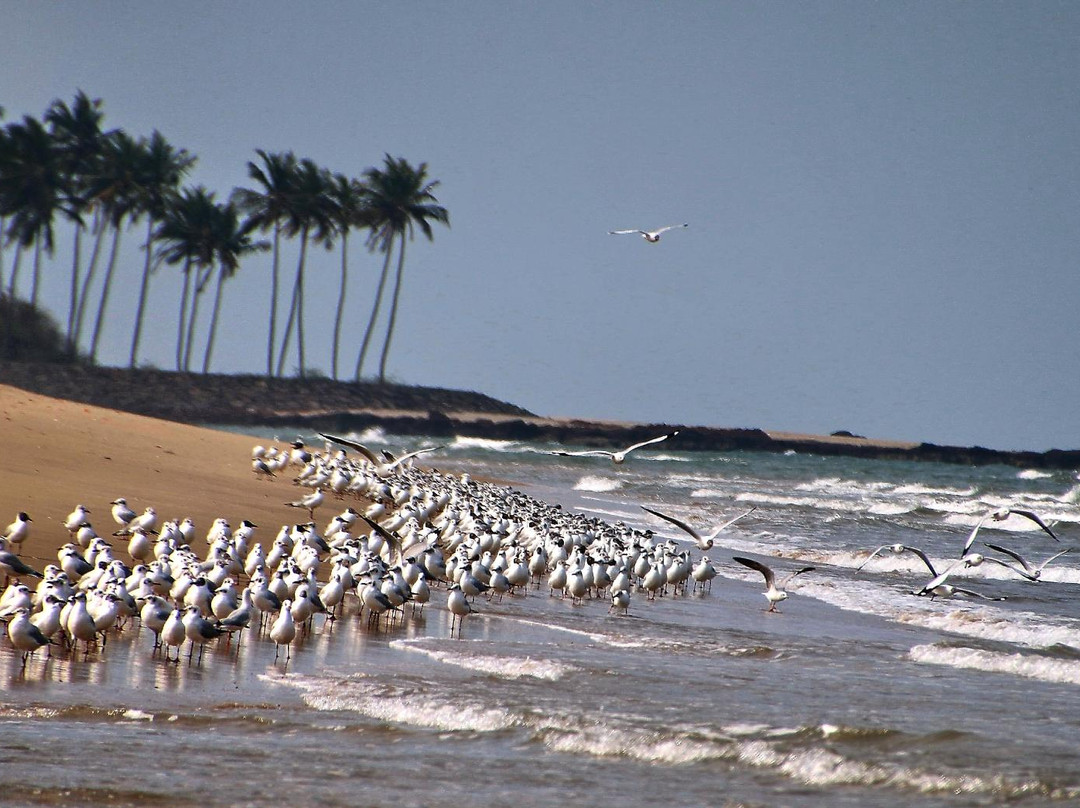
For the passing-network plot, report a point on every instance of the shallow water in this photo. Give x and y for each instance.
(856, 693)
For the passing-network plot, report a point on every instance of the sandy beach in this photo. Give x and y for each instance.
(58, 454)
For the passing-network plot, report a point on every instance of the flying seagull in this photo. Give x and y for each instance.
(1032, 573)
(382, 467)
(616, 457)
(1000, 515)
(651, 236)
(775, 593)
(703, 542)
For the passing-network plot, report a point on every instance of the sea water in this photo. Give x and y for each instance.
(855, 693)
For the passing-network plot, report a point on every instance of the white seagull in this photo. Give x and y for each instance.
(382, 467)
(1000, 515)
(651, 236)
(17, 531)
(616, 457)
(703, 542)
(774, 593)
(1032, 573)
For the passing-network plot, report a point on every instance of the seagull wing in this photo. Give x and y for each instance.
(939, 579)
(651, 440)
(1035, 518)
(974, 533)
(871, 556)
(924, 557)
(730, 522)
(669, 227)
(677, 522)
(757, 565)
(1042, 566)
(415, 453)
(1011, 554)
(974, 594)
(386, 535)
(797, 572)
(359, 447)
(623, 232)
(1012, 567)
(587, 453)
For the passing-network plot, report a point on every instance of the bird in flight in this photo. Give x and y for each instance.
(1000, 515)
(703, 542)
(651, 236)
(620, 456)
(776, 592)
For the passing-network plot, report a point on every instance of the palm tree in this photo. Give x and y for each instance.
(78, 134)
(312, 210)
(116, 188)
(162, 169)
(399, 198)
(230, 244)
(270, 209)
(33, 190)
(350, 211)
(186, 237)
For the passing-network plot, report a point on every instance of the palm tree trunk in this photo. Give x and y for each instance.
(287, 336)
(213, 322)
(143, 288)
(300, 305)
(374, 310)
(200, 286)
(37, 273)
(295, 311)
(105, 288)
(393, 309)
(2, 223)
(73, 304)
(15, 270)
(183, 316)
(84, 295)
(341, 300)
(273, 302)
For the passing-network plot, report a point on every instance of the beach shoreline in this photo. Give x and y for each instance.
(322, 404)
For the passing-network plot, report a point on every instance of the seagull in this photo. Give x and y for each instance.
(310, 502)
(76, 519)
(261, 469)
(382, 467)
(24, 635)
(458, 605)
(17, 531)
(775, 593)
(937, 587)
(122, 514)
(651, 236)
(703, 542)
(1027, 571)
(620, 601)
(1000, 515)
(12, 566)
(616, 457)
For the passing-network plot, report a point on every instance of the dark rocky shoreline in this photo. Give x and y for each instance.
(325, 405)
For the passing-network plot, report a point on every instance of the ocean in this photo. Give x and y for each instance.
(855, 692)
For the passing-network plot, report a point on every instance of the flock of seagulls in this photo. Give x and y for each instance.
(399, 534)
(938, 585)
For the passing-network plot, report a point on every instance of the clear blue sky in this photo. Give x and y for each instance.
(883, 198)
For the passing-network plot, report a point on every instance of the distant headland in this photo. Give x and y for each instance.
(326, 405)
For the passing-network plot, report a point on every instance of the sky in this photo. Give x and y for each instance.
(883, 199)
